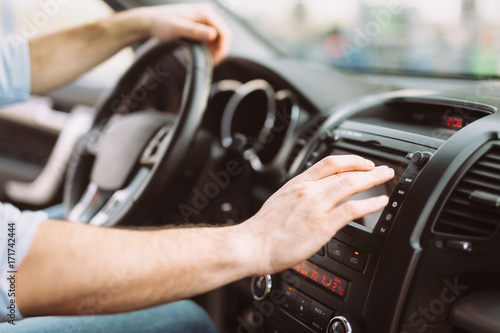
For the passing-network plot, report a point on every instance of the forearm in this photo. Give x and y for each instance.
(78, 269)
(75, 269)
(59, 58)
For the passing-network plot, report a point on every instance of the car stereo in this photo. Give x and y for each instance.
(327, 292)
(370, 221)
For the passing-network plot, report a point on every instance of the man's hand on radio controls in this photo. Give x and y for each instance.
(79, 261)
(308, 210)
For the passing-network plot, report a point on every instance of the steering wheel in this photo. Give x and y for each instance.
(131, 155)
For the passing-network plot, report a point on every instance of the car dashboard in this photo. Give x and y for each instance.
(412, 267)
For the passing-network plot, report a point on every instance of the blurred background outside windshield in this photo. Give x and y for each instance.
(438, 37)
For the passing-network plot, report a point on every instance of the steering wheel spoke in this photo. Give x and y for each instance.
(120, 200)
(152, 153)
(93, 140)
(91, 202)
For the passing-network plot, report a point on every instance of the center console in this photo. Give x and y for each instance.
(328, 292)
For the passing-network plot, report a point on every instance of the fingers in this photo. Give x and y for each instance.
(331, 165)
(340, 187)
(220, 45)
(199, 22)
(195, 31)
(355, 209)
(314, 203)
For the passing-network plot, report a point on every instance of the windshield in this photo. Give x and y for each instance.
(429, 37)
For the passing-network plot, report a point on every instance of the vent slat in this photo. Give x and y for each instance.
(493, 156)
(462, 217)
(477, 183)
(490, 165)
(486, 174)
(481, 212)
(458, 228)
(472, 215)
(463, 192)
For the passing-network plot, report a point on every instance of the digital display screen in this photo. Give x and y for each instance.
(327, 280)
(369, 221)
(455, 123)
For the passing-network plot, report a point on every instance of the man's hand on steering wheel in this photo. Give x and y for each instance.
(198, 22)
(89, 45)
(129, 179)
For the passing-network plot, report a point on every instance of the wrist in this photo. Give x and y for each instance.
(250, 251)
(132, 25)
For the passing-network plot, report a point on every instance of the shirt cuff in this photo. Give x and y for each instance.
(15, 70)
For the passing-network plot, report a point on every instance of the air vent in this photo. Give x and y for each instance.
(304, 139)
(473, 208)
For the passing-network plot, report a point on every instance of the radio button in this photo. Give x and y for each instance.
(382, 228)
(289, 291)
(288, 305)
(356, 259)
(408, 179)
(290, 296)
(321, 311)
(400, 191)
(336, 250)
(388, 215)
(302, 307)
(316, 324)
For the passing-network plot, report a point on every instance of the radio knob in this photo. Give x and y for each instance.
(343, 324)
(421, 158)
(329, 138)
(261, 286)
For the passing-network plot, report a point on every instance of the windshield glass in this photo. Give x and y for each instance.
(429, 37)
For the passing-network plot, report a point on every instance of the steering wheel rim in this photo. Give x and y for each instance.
(98, 202)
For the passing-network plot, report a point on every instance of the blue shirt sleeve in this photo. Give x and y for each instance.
(17, 230)
(15, 70)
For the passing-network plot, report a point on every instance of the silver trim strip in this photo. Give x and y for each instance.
(36, 113)
(44, 188)
(107, 216)
(84, 203)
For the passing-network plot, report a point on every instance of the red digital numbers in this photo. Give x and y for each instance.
(326, 284)
(328, 280)
(454, 122)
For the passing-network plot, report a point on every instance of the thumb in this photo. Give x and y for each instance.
(196, 31)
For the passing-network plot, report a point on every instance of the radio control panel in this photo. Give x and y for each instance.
(326, 293)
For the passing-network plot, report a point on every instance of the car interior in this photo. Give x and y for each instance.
(158, 136)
